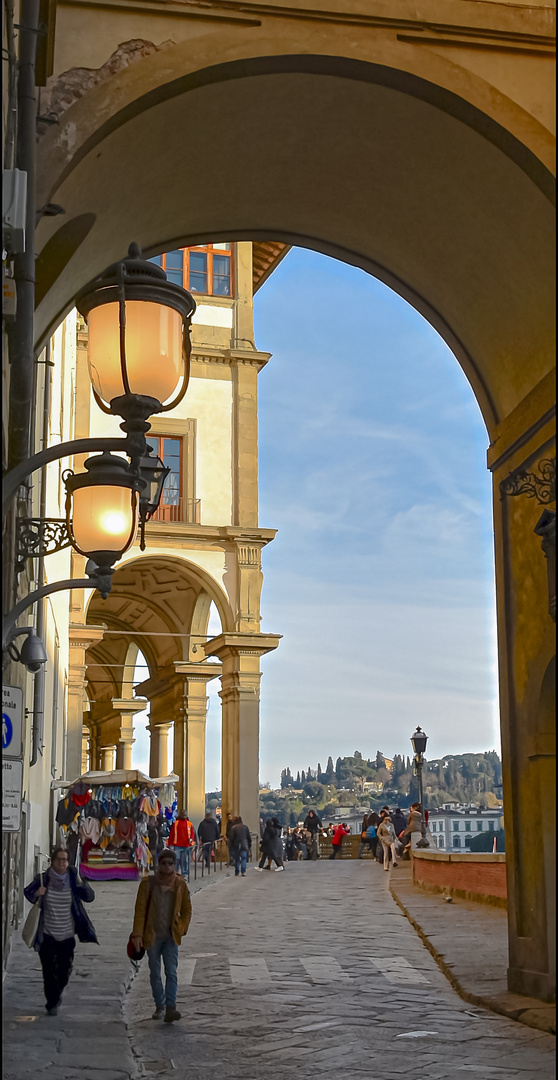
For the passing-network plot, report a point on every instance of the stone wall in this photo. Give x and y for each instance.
(480, 876)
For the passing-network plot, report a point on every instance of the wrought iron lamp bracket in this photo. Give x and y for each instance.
(540, 487)
(36, 537)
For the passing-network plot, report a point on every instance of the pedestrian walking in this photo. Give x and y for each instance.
(241, 846)
(161, 918)
(399, 821)
(62, 916)
(182, 838)
(268, 846)
(208, 834)
(155, 841)
(312, 824)
(386, 834)
(337, 839)
(369, 839)
(228, 826)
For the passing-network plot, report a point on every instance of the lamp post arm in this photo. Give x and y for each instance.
(9, 621)
(12, 480)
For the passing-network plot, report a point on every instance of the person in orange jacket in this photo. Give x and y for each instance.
(337, 839)
(182, 837)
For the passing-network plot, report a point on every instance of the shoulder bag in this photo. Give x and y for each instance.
(31, 924)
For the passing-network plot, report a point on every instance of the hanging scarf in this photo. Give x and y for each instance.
(58, 882)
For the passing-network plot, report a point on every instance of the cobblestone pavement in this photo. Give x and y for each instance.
(88, 1039)
(449, 930)
(316, 972)
(305, 974)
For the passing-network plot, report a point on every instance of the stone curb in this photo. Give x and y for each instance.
(532, 1013)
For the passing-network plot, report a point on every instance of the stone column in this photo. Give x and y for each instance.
(127, 708)
(240, 695)
(107, 758)
(80, 638)
(158, 753)
(189, 737)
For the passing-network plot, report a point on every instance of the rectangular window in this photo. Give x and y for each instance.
(479, 826)
(455, 826)
(178, 502)
(206, 268)
(467, 826)
(170, 452)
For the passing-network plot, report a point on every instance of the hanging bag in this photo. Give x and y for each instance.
(138, 954)
(31, 924)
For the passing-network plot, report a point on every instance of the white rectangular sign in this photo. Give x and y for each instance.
(12, 722)
(12, 790)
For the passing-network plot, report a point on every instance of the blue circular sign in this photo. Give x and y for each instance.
(7, 731)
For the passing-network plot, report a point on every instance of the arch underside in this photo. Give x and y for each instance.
(402, 180)
(162, 597)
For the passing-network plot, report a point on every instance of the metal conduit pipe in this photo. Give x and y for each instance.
(40, 678)
(20, 332)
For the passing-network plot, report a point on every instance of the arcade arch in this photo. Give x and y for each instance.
(402, 160)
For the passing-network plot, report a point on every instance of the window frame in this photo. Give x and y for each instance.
(210, 250)
(161, 453)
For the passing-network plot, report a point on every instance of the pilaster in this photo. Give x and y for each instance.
(80, 638)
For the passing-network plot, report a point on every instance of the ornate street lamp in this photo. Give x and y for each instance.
(418, 741)
(139, 337)
(102, 509)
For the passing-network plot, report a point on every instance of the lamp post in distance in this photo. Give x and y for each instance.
(418, 741)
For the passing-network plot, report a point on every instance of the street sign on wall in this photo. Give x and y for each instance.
(12, 791)
(12, 722)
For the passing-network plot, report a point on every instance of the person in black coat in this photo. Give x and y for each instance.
(62, 916)
(271, 840)
(208, 834)
(241, 844)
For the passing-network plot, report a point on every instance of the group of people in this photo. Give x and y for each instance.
(390, 834)
(163, 909)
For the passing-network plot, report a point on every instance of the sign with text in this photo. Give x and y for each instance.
(12, 790)
(12, 722)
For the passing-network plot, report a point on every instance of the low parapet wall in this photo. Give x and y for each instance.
(479, 876)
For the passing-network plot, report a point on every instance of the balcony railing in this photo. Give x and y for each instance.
(185, 510)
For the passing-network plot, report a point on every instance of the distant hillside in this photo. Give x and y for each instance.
(371, 782)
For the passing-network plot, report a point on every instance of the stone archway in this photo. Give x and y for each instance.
(410, 162)
(158, 605)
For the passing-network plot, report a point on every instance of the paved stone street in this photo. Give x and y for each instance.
(310, 973)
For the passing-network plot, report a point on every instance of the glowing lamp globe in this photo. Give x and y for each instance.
(139, 336)
(102, 508)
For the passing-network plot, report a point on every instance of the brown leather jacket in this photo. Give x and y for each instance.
(144, 914)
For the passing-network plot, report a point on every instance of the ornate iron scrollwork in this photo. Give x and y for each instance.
(40, 536)
(542, 488)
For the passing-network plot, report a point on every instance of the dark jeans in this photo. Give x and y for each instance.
(335, 849)
(207, 849)
(372, 845)
(312, 846)
(240, 861)
(57, 958)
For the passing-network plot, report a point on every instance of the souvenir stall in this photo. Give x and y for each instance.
(113, 824)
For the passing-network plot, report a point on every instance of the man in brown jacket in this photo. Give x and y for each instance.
(161, 918)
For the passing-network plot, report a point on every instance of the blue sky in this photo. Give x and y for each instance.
(381, 577)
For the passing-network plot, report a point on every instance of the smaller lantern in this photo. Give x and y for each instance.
(154, 472)
(139, 337)
(419, 741)
(102, 508)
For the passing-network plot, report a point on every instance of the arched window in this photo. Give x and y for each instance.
(457, 842)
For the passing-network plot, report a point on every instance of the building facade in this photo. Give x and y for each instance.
(453, 827)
